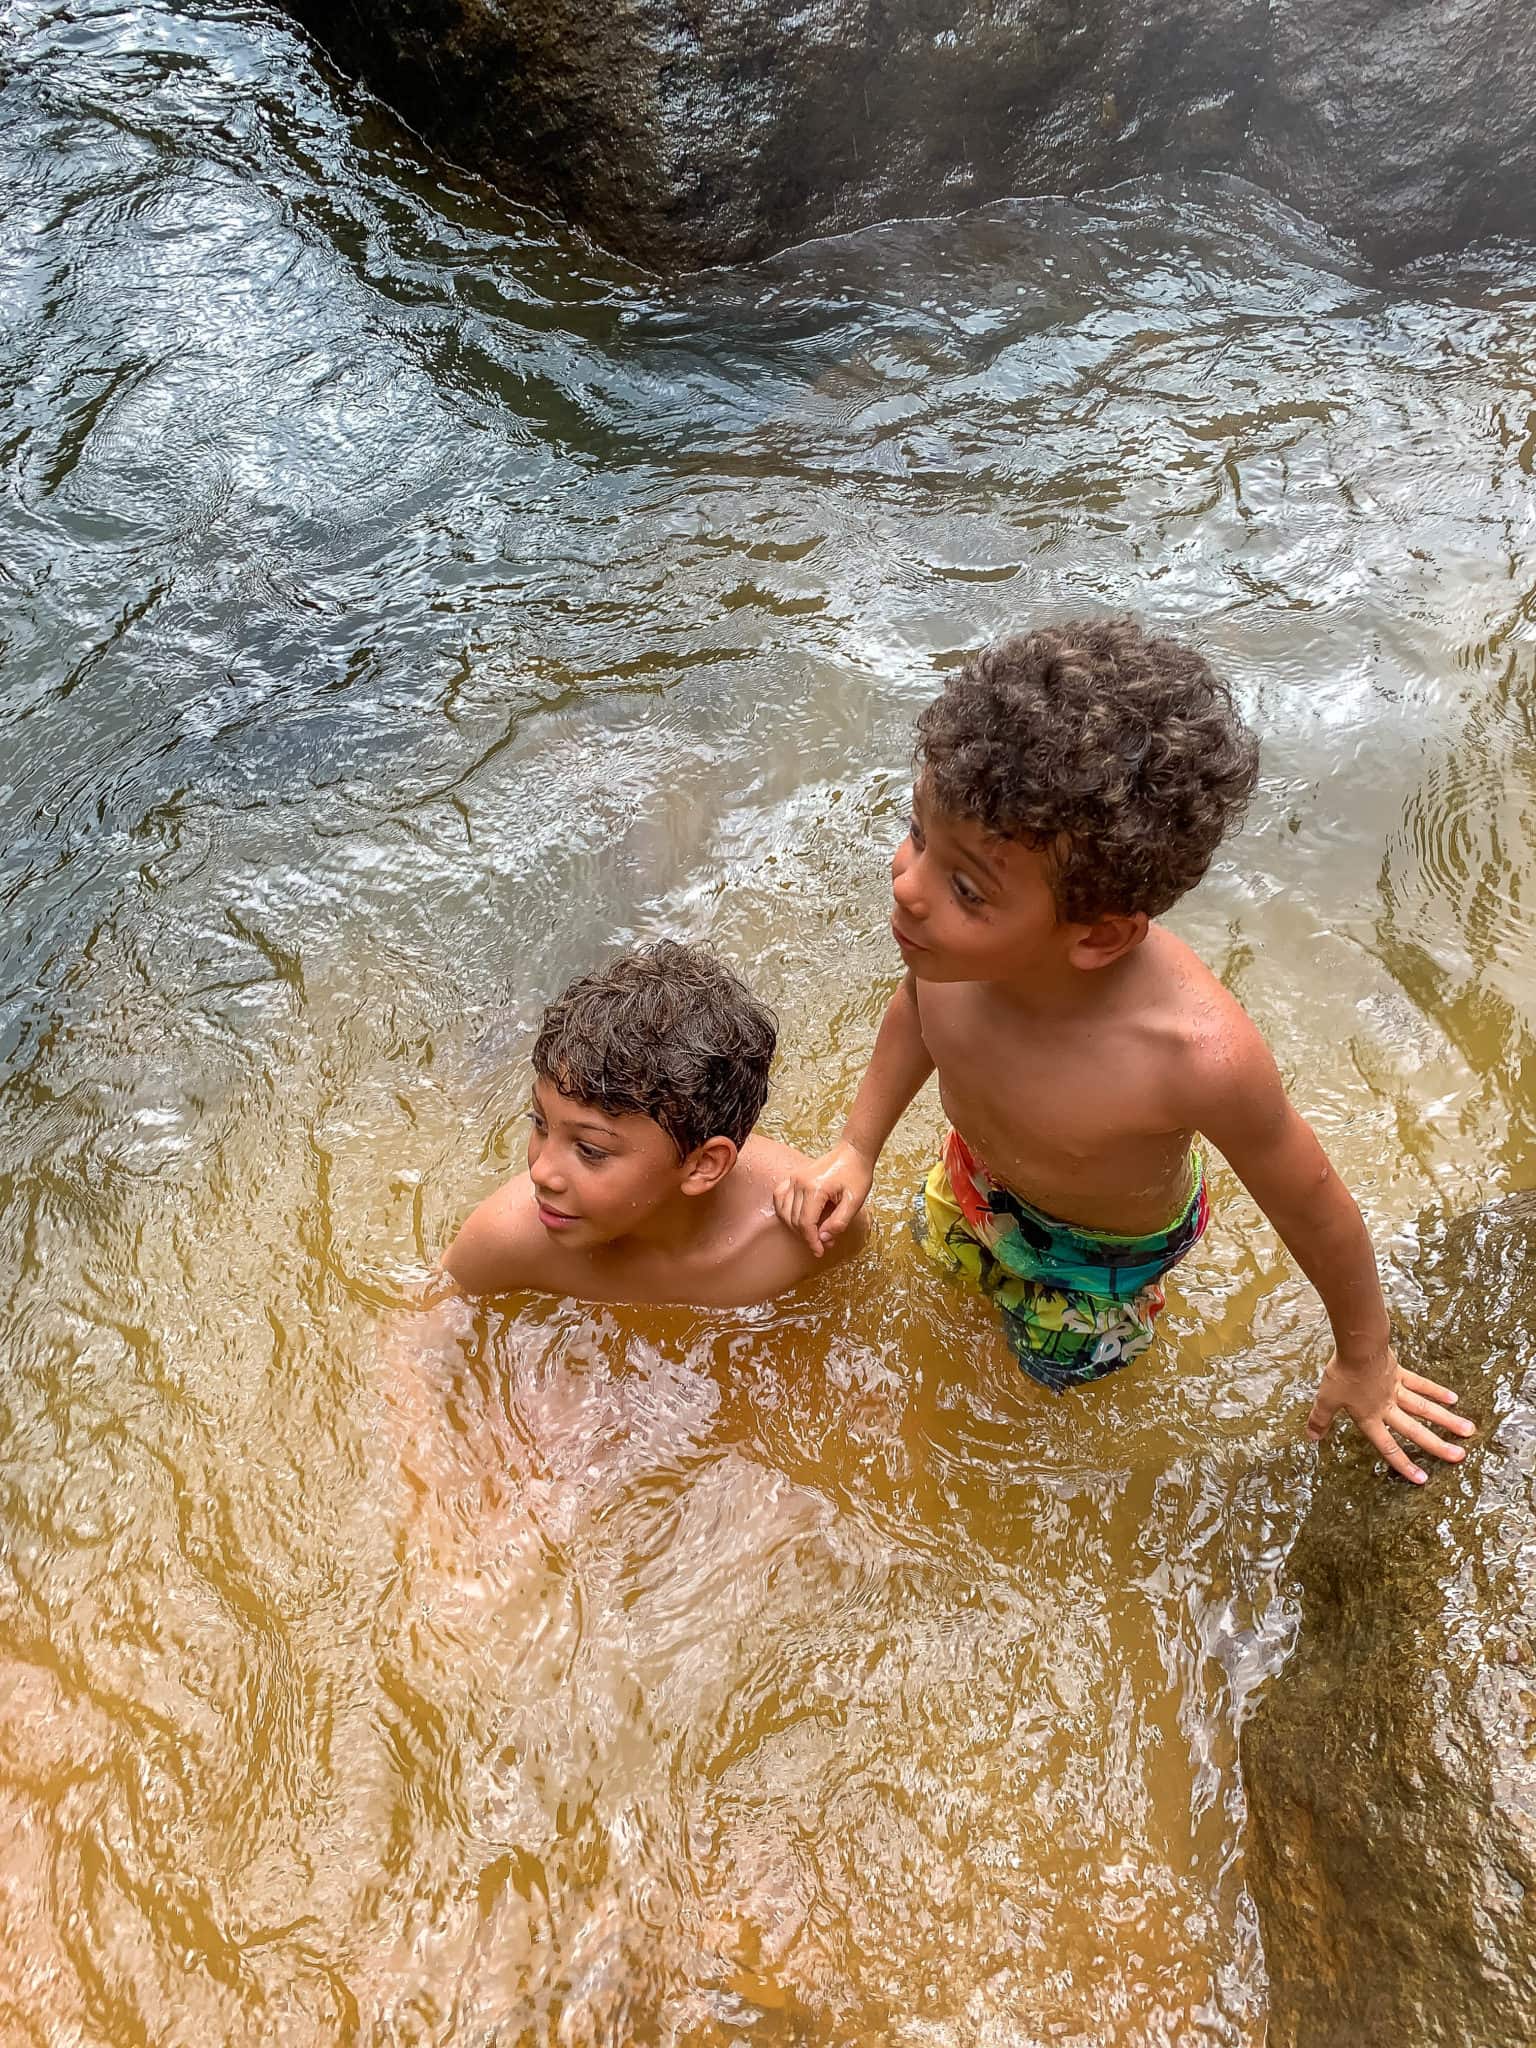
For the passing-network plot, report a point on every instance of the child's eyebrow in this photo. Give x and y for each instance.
(980, 863)
(583, 1123)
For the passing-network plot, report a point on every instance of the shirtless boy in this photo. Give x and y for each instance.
(1072, 784)
(645, 1182)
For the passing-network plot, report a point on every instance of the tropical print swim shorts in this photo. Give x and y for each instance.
(1076, 1304)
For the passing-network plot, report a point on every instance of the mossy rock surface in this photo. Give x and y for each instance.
(1391, 1766)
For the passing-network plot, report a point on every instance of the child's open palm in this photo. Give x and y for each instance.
(1387, 1404)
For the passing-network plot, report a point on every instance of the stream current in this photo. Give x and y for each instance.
(402, 606)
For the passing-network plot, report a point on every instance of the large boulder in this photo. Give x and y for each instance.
(697, 131)
(1409, 125)
(692, 131)
(1390, 1770)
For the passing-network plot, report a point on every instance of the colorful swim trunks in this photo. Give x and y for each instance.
(1076, 1304)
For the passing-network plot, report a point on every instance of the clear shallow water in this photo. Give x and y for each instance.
(403, 605)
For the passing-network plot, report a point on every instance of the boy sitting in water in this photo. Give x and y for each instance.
(1072, 784)
(645, 1181)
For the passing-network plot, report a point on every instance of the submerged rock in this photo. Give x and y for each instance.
(683, 133)
(1390, 1770)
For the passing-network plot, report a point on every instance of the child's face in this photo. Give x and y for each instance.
(969, 907)
(596, 1177)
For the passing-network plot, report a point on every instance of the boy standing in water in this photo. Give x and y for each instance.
(1073, 783)
(646, 1181)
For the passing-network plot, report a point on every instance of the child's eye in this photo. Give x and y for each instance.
(915, 833)
(591, 1153)
(537, 1121)
(967, 891)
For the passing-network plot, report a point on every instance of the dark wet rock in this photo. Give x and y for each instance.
(693, 131)
(715, 130)
(1408, 124)
(1390, 1770)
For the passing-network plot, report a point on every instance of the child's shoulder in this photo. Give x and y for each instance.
(1189, 995)
(762, 1164)
(500, 1243)
(1212, 1042)
(765, 1160)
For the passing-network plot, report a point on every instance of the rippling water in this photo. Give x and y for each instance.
(403, 605)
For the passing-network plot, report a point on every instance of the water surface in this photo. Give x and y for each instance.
(405, 605)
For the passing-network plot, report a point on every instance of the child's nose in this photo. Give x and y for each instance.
(905, 884)
(544, 1170)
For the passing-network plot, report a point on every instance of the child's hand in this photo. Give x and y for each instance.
(821, 1198)
(1380, 1398)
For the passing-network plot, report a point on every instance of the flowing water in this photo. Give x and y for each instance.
(404, 606)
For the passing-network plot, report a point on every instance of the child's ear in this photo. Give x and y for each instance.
(707, 1165)
(1107, 939)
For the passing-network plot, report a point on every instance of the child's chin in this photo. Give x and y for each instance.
(933, 967)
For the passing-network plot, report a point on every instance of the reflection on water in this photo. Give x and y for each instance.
(403, 605)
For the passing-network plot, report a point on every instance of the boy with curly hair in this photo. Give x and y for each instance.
(1073, 783)
(646, 1181)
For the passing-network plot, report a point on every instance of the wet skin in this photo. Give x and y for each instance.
(608, 1211)
(1080, 1060)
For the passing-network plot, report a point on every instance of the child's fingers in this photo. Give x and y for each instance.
(1430, 1410)
(805, 1211)
(806, 1216)
(1320, 1421)
(1389, 1447)
(1431, 1389)
(827, 1221)
(1424, 1437)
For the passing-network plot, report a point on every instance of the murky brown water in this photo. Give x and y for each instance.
(403, 606)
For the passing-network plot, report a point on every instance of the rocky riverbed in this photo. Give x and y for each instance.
(1390, 1769)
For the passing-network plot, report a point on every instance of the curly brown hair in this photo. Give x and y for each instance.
(1121, 755)
(667, 1032)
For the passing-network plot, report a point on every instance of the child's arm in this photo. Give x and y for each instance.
(1275, 1153)
(822, 1197)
